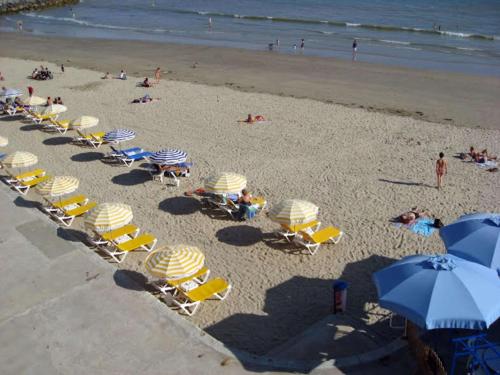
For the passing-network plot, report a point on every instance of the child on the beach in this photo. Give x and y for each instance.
(441, 169)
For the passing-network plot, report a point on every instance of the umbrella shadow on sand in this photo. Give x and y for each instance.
(134, 177)
(180, 205)
(57, 141)
(239, 235)
(87, 156)
(289, 330)
(30, 127)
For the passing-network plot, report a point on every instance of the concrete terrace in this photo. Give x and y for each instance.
(65, 310)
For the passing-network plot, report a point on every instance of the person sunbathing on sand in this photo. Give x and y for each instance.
(411, 216)
(106, 76)
(145, 99)
(251, 119)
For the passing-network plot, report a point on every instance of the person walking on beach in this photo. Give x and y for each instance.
(157, 75)
(277, 44)
(302, 44)
(20, 25)
(441, 169)
(354, 49)
(62, 68)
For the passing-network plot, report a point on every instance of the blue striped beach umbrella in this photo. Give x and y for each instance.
(119, 135)
(10, 93)
(168, 157)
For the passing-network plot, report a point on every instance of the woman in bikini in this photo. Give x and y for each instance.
(441, 169)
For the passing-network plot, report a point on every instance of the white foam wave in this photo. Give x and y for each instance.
(348, 24)
(395, 42)
(452, 33)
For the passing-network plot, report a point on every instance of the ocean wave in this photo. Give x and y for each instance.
(395, 42)
(340, 24)
(96, 25)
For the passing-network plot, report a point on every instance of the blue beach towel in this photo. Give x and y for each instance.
(423, 226)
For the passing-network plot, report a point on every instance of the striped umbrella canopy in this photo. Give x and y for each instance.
(34, 100)
(55, 109)
(10, 93)
(109, 216)
(293, 211)
(225, 183)
(19, 159)
(168, 157)
(58, 185)
(4, 141)
(174, 262)
(84, 122)
(119, 135)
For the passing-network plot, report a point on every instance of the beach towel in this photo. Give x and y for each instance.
(423, 226)
(487, 164)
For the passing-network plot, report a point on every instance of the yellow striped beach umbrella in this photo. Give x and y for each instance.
(109, 216)
(34, 101)
(84, 122)
(55, 109)
(293, 211)
(20, 159)
(174, 262)
(58, 185)
(225, 183)
(3, 141)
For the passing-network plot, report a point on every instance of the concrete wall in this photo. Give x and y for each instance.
(14, 6)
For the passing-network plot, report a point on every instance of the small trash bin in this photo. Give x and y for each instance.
(339, 296)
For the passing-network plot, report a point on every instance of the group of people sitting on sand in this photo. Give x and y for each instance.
(480, 157)
(56, 100)
(42, 74)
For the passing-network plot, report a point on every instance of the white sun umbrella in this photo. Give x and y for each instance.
(3, 141)
(20, 159)
(55, 109)
(84, 122)
(225, 183)
(108, 216)
(293, 211)
(118, 136)
(10, 93)
(58, 186)
(34, 101)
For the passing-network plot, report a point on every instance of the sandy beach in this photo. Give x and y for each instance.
(361, 167)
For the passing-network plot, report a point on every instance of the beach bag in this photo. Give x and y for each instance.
(438, 223)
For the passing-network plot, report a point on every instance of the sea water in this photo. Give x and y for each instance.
(451, 35)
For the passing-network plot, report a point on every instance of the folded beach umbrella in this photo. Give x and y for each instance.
(174, 262)
(3, 141)
(476, 238)
(10, 93)
(55, 109)
(119, 135)
(293, 211)
(108, 216)
(20, 159)
(58, 185)
(168, 157)
(84, 122)
(225, 183)
(440, 291)
(34, 101)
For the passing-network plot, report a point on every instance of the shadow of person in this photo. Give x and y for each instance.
(239, 235)
(134, 177)
(180, 205)
(87, 156)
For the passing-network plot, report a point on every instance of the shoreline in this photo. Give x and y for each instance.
(440, 97)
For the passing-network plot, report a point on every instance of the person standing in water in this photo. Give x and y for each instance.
(209, 23)
(354, 49)
(302, 44)
(441, 169)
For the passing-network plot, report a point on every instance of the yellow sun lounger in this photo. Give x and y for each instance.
(189, 301)
(60, 126)
(290, 231)
(66, 217)
(127, 232)
(93, 139)
(199, 277)
(39, 118)
(67, 204)
(119, 251)
(23, 186)
(25, 176)
(313, 240)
